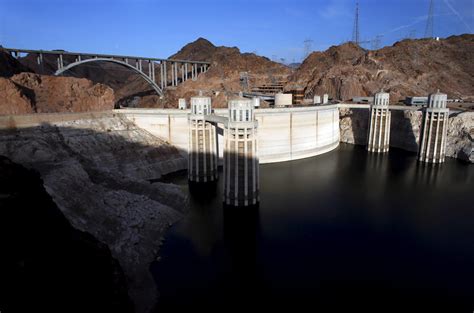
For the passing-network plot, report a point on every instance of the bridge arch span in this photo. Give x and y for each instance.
(158, 90)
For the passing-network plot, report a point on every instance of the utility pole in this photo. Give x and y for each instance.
(355, 31)
(430, 22)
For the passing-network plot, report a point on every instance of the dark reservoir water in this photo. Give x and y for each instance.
(343, 231)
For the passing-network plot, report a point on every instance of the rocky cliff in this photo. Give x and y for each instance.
(10, 66)
(23, 92)
(405, 131)
(408, 68)
(45, 259)
(96, 170)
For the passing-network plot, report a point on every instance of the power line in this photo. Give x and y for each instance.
(430, 22)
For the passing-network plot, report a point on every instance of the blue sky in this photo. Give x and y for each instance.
(276, 29)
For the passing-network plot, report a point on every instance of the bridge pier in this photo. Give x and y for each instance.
(379, 124)
(194, 70)
(202, 150)
(176, 76)
(241, 165)
(162, 76)
(434, 127)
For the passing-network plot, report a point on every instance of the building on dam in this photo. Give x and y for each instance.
(202, 151)
(379, 123)
(433, 130)
(241, 165)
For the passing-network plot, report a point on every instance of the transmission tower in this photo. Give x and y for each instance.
(355, 31)
(377, 42)
(307, 48)
(430, 21)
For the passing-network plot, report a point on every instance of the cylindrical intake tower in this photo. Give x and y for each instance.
(379, 124)
(433, 130)
(241, 166)
(202, 150)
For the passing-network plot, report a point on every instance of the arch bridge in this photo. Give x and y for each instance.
(171, 72)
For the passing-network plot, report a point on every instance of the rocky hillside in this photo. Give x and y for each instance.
(408, 68)
(24, 92)
(10, 66)
(43, 255)
(97, 168)
(221, 81)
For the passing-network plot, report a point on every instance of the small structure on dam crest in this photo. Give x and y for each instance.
(202, 151)
(241, 165)
(379, 124)
(433, 131)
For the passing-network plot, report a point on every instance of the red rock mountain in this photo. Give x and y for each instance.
(27, 92)
(220, 82)
(408, 68)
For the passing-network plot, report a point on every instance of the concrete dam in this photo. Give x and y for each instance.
(284, 134)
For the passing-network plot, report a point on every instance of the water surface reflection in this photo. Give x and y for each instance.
(345, 230)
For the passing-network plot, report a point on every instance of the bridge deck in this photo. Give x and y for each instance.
(92, 55)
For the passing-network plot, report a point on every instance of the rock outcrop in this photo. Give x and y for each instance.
(24, 92)
(408, 68)
(97, 170)
(10, 66)
(221, 81)
(405, 131)
(65, 94)
(45, 259)
(460, 143)
(14, 99)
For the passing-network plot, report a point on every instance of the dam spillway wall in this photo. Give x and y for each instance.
(283, 134)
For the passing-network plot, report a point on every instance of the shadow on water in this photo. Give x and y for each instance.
(203, 193)
(348, 230)
(241, 234)
(222, 267)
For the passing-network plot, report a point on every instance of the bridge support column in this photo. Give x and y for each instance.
(185, 71)
(172, 74)
(202, 151)
(176, 74)
(379, 124)
(241, 165)
(162, 74)
(434, 130)
(153, 71)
